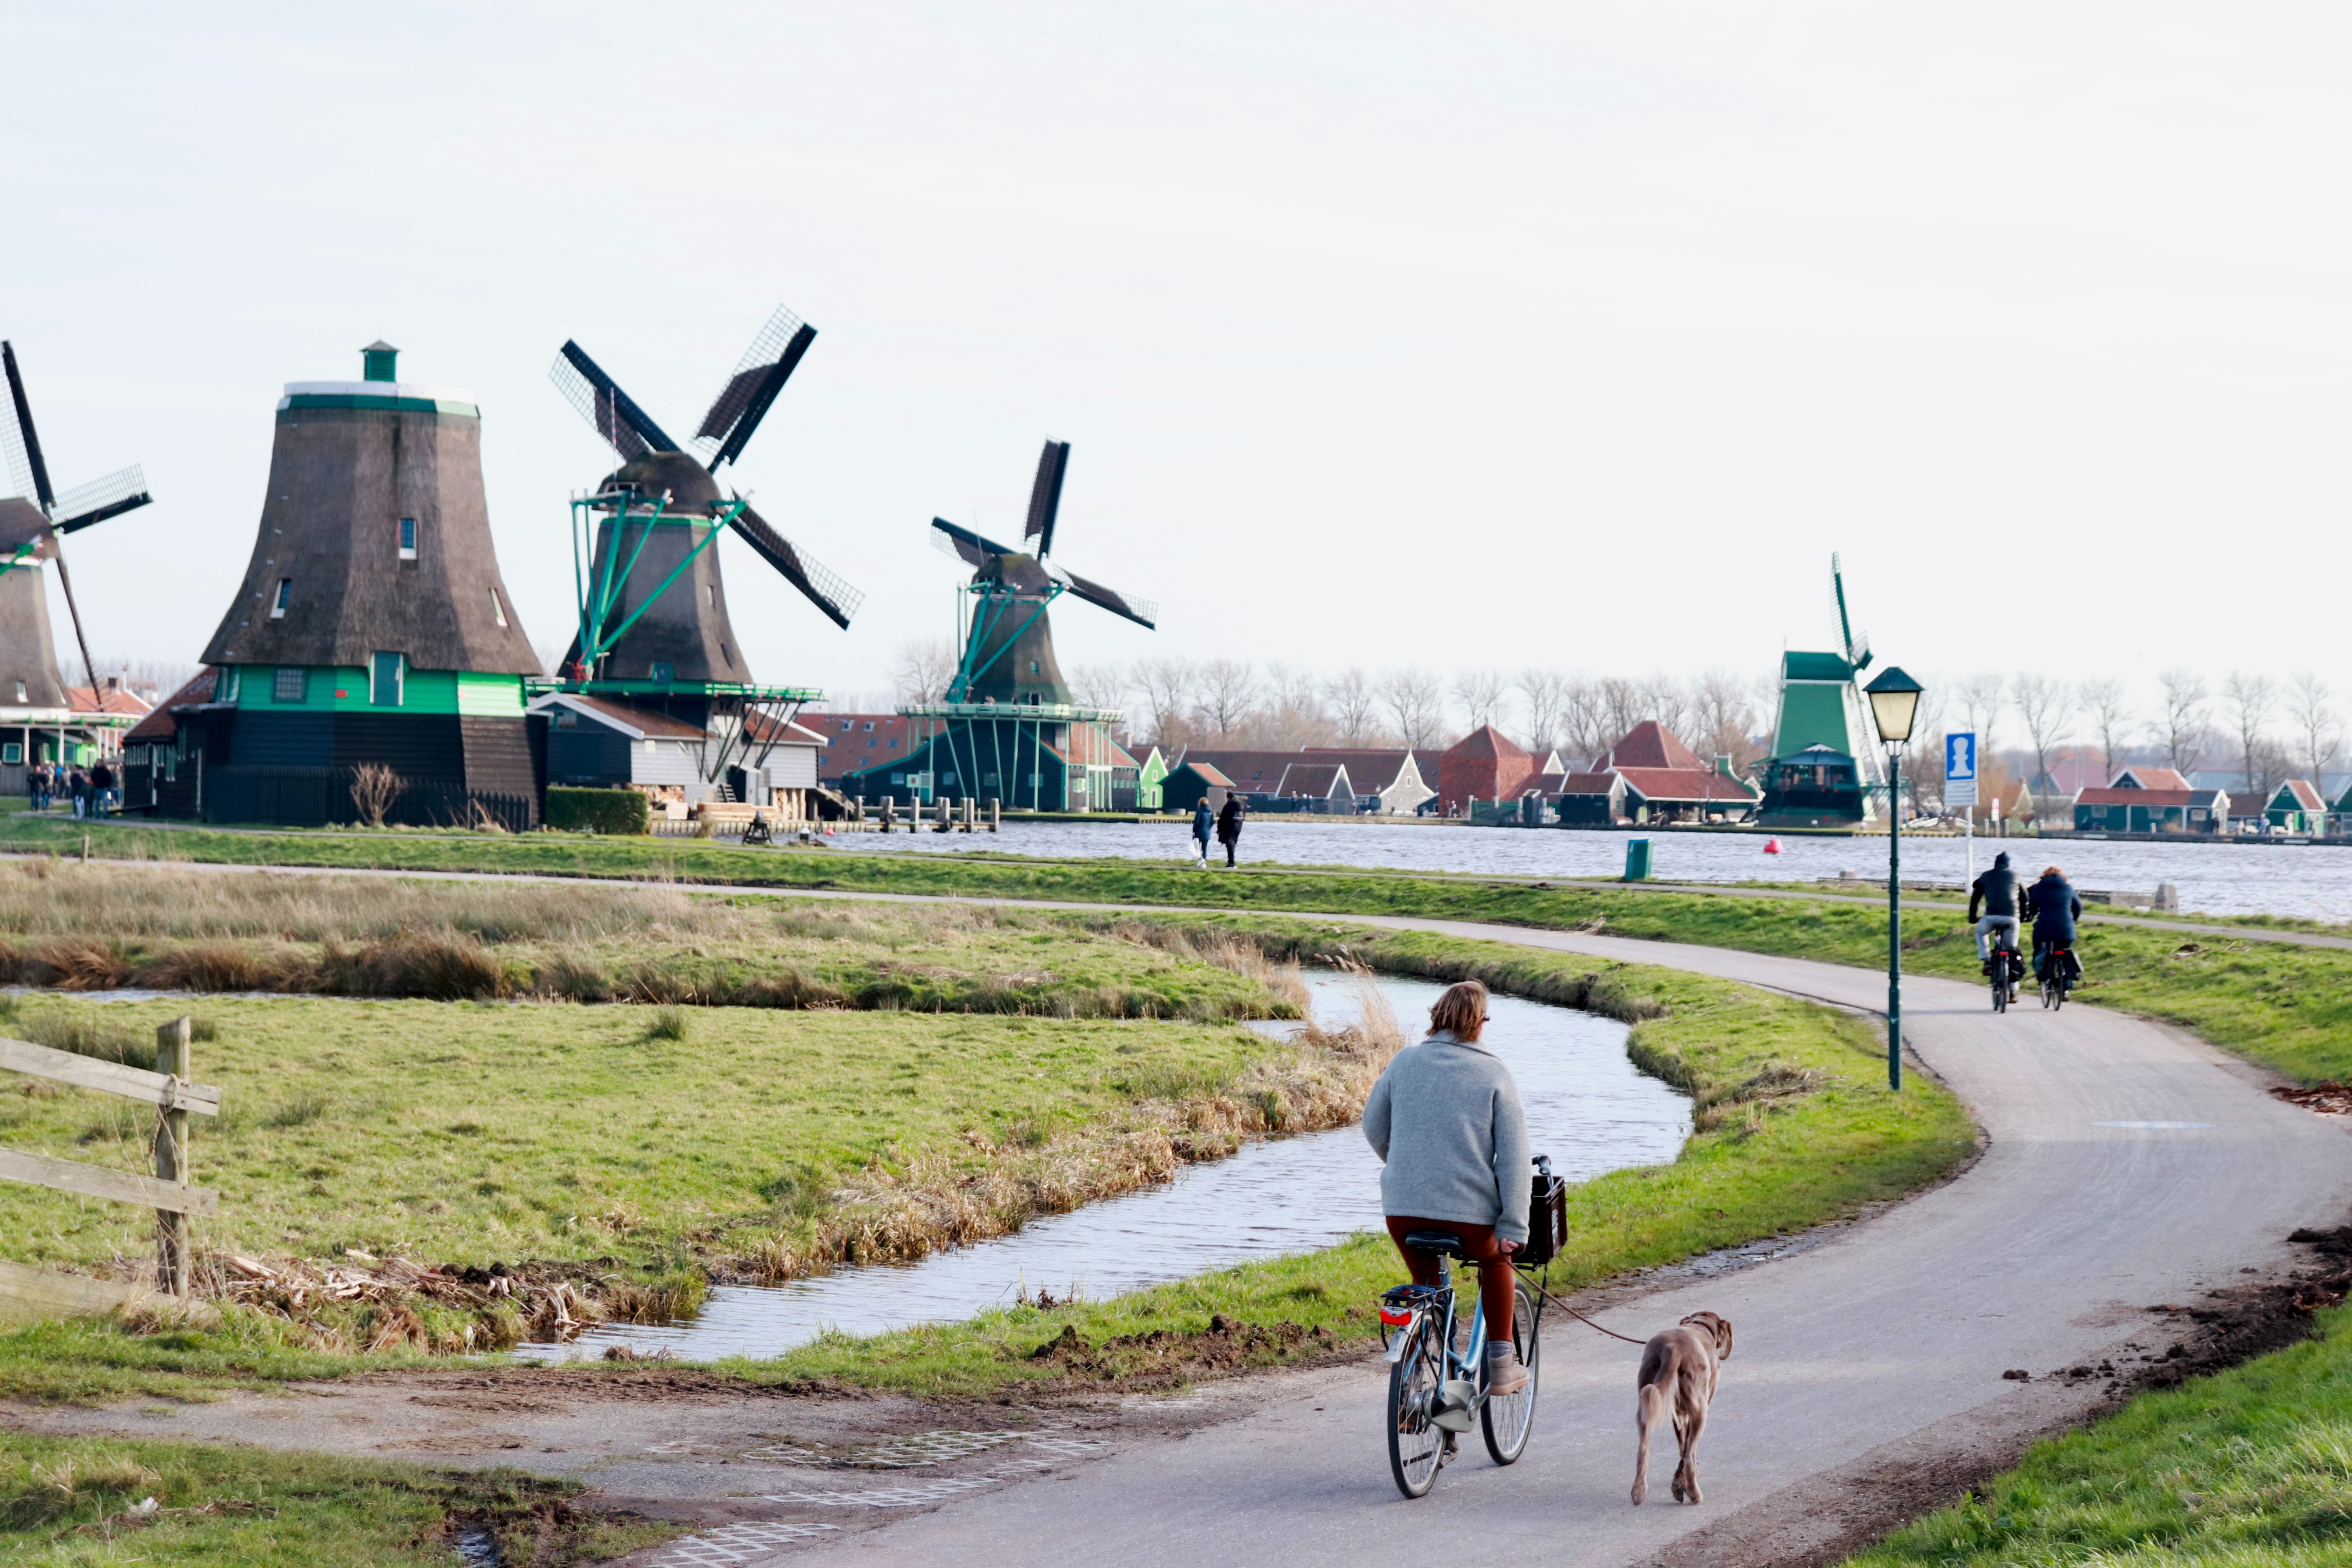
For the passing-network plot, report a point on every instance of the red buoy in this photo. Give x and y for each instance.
(1771, 846)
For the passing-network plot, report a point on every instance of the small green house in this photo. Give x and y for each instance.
(1148, 780)
(2297, 808)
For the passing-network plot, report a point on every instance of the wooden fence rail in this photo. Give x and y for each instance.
(168, 1089)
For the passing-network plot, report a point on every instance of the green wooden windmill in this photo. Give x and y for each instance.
(1823, 770)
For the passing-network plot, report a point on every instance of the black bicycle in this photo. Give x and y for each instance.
(2005, 968)
(2056, 979)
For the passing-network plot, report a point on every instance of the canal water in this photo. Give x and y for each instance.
(2220, 878)
(1587, 1108)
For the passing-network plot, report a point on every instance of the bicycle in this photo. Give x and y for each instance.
(1437, 1382)
(2004, 968)
(2056, 979)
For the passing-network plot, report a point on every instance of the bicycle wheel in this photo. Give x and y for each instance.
(2001, 986)
(1506, 1421)
(1416, 1382)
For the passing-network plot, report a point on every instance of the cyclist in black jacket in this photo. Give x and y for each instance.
(2053, 906)
(1995, 894)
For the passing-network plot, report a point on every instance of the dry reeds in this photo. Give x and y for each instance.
(373, 789)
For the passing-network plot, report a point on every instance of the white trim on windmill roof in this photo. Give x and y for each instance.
(416, 389)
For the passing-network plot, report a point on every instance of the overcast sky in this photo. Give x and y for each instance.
(1575, 334)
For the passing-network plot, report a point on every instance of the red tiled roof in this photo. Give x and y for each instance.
(1485, 741)
(162, 724)
(2307, 797)
(115, 700)
(1588, 784)
(2150, 797)
(1686, 784)
(2248, 802)
(761, 726)
(1370, 770)
(1315, 781)
(1207, 770)
(2151, 778)
(1650, 744)
(644, 720)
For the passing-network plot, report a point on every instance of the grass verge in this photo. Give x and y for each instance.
(71, 1502)
(2288, 1007)
(2247, 1468)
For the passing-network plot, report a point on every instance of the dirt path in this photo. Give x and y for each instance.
(2130, 1168)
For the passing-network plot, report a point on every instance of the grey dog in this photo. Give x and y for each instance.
(1678, 1373)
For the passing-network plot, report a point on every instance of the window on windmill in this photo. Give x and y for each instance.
(20, 691)
(497, 608)
(663, 673)
(285, 593)
(291, 686)
(408, 539)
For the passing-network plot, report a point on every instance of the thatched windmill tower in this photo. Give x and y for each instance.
(372, 626)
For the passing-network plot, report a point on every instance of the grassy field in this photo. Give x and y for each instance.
(2247, 1468)
(71, 1503)
(2287, 1006)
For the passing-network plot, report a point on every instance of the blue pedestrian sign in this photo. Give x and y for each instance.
(1959, 770)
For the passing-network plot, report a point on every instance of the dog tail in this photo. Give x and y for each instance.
(1650, 1407)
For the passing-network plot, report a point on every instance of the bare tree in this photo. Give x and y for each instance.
(921, 669)
(1543, 695)
(2308, 703)
(1166, 685)
(1725, 717)
(1228, 689)
(1979, 699)
(1668, 702)
(1353, 703)
(2251, 700)
(1416, 701)
(1622, 704)
(2046, 706)
(1582, 718)
(2109, 710)
(2183, 728)
(1099, 685)
(373, 789)
(1480, 692)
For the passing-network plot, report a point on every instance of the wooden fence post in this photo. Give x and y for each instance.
(172, 1161)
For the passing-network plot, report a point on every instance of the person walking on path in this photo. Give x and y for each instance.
(79, 784)
(1229, 827)
(1204, 823)
(101, 787)
(37, 785)
(1446, 1121)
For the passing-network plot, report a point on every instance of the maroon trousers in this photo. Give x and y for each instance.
(1497, 1286)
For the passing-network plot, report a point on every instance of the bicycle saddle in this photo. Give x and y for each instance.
(1439, 1241)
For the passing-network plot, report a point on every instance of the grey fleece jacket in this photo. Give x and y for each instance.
(1446, 1117)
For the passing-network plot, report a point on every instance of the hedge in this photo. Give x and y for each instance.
(596, 810)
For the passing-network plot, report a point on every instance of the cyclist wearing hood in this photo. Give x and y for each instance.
(1995, 894)
(2053, 906)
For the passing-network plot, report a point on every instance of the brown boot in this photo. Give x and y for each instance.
(1505, 1375)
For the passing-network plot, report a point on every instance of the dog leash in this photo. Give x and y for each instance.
(1580, 1318)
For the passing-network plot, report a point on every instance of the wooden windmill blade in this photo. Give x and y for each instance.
(122, 490)
(826, 588)
(627, 427)
(20, 446)
(751, 387)
(974, 550)
(1142, 612)
(1045, 495)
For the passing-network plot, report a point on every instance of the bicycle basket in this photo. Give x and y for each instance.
(1546, 1221)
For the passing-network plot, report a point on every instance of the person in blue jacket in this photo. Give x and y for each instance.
(1204, 827)
(2053, 906)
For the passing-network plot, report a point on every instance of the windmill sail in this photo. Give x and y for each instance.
(19, 446)
(753, 387)
(973, 548)
(827, 589)
(600, 400)
(124, 491)
(1046, 496)
(1142, 612)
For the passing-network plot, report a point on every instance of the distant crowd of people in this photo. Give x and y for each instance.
(91, 790)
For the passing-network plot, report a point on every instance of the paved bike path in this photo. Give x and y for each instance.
(1882, 1342)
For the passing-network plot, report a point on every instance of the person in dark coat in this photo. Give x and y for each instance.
(1204, 823)
(79, 784)
(1229, 827)
(2053, 906)
(101, 787)
(37, 785)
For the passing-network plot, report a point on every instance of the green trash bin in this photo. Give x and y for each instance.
(1637, 859)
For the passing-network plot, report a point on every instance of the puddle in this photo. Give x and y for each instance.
(1587, 1108)
(476, 1546)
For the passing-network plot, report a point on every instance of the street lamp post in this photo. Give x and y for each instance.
(1893, 705)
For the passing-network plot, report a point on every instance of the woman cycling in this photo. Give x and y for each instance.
(1446, 1120)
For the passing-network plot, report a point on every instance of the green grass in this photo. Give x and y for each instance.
(2246, 1467)
(472, 1133)
(1763, 1162)
(63, 1504)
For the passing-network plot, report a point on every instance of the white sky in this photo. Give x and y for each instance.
(1573, 334)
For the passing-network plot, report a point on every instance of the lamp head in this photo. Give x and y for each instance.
(1894, 704)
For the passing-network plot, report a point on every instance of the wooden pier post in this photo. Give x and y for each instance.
(172, 1161)
(995, 814)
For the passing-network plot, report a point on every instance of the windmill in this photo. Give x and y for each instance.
(653, 629)
(1008, 639)
(1823, 768)
(33, 524)
(1007, 729)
